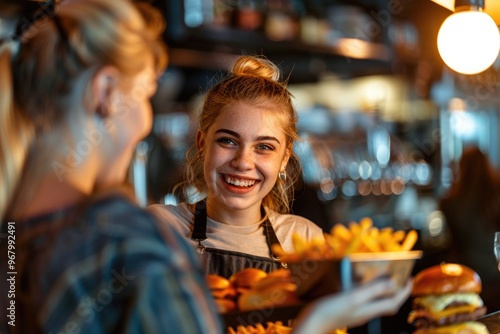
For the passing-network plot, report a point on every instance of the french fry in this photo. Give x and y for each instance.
(354, 245)
(370, 243)
(336, 247)
(242, 330)
(410, 240)
(355, 229)
(271, 328)
(392, 246)
(398, 235)
(373, 232)
(299, 244)
(341, 232)
(316, 249)
(385, 232)
(340, 331)
(366, 223)
(260, 328)
(278, 250)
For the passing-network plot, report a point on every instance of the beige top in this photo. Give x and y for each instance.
(245, 239)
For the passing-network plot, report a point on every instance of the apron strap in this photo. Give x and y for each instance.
(200, 221)
(200, 230)
(200, 225)
(271, 238)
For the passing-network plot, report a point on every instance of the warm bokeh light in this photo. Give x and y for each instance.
(492, 8)
(469, 41)
(448, 4)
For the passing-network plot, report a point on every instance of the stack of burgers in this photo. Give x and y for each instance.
(446, 301)
(252, 289)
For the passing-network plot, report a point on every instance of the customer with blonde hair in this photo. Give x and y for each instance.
(76, 254)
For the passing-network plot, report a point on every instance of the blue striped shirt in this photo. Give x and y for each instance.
(105, 268)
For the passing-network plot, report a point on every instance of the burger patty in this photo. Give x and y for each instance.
(424, 319)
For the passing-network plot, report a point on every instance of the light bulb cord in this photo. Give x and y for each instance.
(469, 3)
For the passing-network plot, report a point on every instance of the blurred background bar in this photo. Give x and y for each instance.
(383, 120)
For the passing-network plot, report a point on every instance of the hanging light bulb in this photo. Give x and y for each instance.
(469, 40)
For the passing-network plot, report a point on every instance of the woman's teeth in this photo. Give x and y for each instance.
(238, 182)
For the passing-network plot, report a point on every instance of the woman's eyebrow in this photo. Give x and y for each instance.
(268, 138)
(229, 132)
(235, 134)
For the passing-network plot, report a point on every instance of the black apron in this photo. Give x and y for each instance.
(226, 263)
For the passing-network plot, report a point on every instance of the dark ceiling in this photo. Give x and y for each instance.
(424, 14)
(207, 50)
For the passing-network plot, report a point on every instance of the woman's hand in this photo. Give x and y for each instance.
(352, 308)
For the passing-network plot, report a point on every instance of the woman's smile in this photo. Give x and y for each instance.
(238, 182)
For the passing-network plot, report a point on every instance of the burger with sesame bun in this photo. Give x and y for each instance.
(446, 301)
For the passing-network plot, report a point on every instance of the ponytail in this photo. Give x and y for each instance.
(50, 73)
(16, 134)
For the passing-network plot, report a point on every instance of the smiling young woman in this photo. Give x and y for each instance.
(244, 169)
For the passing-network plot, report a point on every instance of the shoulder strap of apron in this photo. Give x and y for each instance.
(200, 230)
(200, 224)
(271, 238)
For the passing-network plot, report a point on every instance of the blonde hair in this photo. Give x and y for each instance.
(56, 56)
(254, 80)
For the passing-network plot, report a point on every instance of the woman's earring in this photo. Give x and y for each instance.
(282, 176)
(199, 155)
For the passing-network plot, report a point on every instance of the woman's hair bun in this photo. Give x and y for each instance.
(256, 66)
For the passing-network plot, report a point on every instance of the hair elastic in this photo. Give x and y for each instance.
(63, 34)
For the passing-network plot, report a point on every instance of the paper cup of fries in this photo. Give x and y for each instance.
(350, 256)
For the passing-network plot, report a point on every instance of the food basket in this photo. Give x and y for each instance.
(316, 278)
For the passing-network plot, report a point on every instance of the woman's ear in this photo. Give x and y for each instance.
(104, 84)
(200, 140)
(288, 153)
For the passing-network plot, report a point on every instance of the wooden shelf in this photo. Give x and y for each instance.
(234, 40)
(212, 49)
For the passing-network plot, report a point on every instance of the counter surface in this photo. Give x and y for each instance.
(492, 322)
